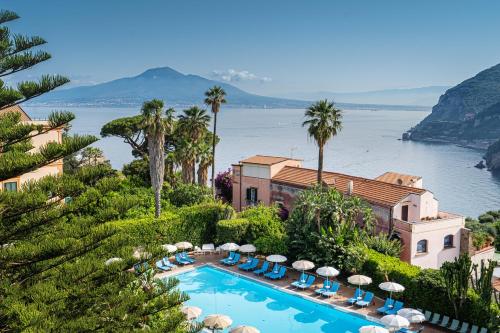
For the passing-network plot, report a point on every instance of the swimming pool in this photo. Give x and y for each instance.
(269, 309)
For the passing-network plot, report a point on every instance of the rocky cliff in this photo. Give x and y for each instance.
(467, 114)
(492, 157)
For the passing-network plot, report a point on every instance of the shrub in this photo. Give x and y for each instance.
(263, 221)
(382, 244)
(271, 244)
(232, 231)
(138, 172)
(187, 194)
(224, 184)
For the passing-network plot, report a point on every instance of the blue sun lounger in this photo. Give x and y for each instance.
(180, 260)
(263, 269)
(229, 257)
(308, 283)
(248, 262)
(252, 266)
(281, 274)
(333, 290)
(236, 259)
(159, 264)
(186, 257)
(301, 280)
(166, 262)
(358, 293)
(389, 303)
(327, 284)
(397, 306)
(274, 271)
(366, 300)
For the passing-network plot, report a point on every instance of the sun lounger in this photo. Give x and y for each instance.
(357, 296)
(407, 330)
(427, 315)
(435, 319)
(166, 262)
(229, 257)
(162, 266)
(333, 290)
(483, 330)
(397, 306)
(454, 325)
(464, 328)
(252, 266)
(274, 271)
(474, 329)
(186, 257)
(308, 283)
(366, 300)
(281, 274)
(248, 262)
(327, 284)
(302, 279)
(140, 268)
(236, 259)
(445, 321)
(389, 303)
(263, 269)
(180, 260)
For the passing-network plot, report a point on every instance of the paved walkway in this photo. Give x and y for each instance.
(344, 293)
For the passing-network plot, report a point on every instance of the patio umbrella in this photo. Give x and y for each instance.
(394, 322)
(112, 260)
(230, 247)
(140, 253)
(217, 322)
(373, 329)
(303, 265)
(327, 272)
(276, 258)
(169, 248)
(391, 287)
(413, 316)
(248, 248)
(360, 280)
(191, 312)
(244, 329)
(496, 272)
(183, 245)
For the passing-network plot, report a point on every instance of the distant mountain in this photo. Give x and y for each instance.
(425, 96)
(467, 114)
(164, 83)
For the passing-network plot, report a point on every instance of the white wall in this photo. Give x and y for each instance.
(257, 171)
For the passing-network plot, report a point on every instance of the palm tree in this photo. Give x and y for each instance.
(324, 121)
(214, 97)
(205, 157)
(192, 126)
(154, 130)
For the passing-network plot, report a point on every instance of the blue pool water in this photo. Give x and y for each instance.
(269, 309)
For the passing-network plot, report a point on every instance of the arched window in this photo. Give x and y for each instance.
(422, 246)
(448, 241)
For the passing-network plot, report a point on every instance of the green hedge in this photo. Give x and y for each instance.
(232, 231)
(264, 222)
(424, 288)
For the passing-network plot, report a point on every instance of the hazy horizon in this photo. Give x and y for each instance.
(266, 47)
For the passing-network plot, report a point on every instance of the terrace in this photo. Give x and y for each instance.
(339, 302)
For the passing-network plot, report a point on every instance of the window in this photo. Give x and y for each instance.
(448, 241)
(10, 186)
(404, 213)
(422, 246)
(251, 195)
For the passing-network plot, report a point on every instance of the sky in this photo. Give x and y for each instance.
(268, 47)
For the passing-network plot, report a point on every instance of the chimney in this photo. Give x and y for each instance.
(350, 187)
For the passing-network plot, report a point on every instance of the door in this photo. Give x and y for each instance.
(404, 213)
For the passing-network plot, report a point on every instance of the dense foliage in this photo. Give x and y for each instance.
(485, 229)
(224, 186)
(187, 194)
(328, 228)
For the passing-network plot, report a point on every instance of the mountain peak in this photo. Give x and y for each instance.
(165, 72)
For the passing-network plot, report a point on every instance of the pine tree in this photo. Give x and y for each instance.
(54, 232)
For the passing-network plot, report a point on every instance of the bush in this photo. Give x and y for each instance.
(232, 231)
(187, 194)
(263, 221)
(138, 172)
(271, 244)
(382, 244)
(224, 185)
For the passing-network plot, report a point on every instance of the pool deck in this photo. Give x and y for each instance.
(344, 293)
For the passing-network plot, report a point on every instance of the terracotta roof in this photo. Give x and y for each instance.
(265, 160)
(398, 178)
(16, 108)
(373, 191)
